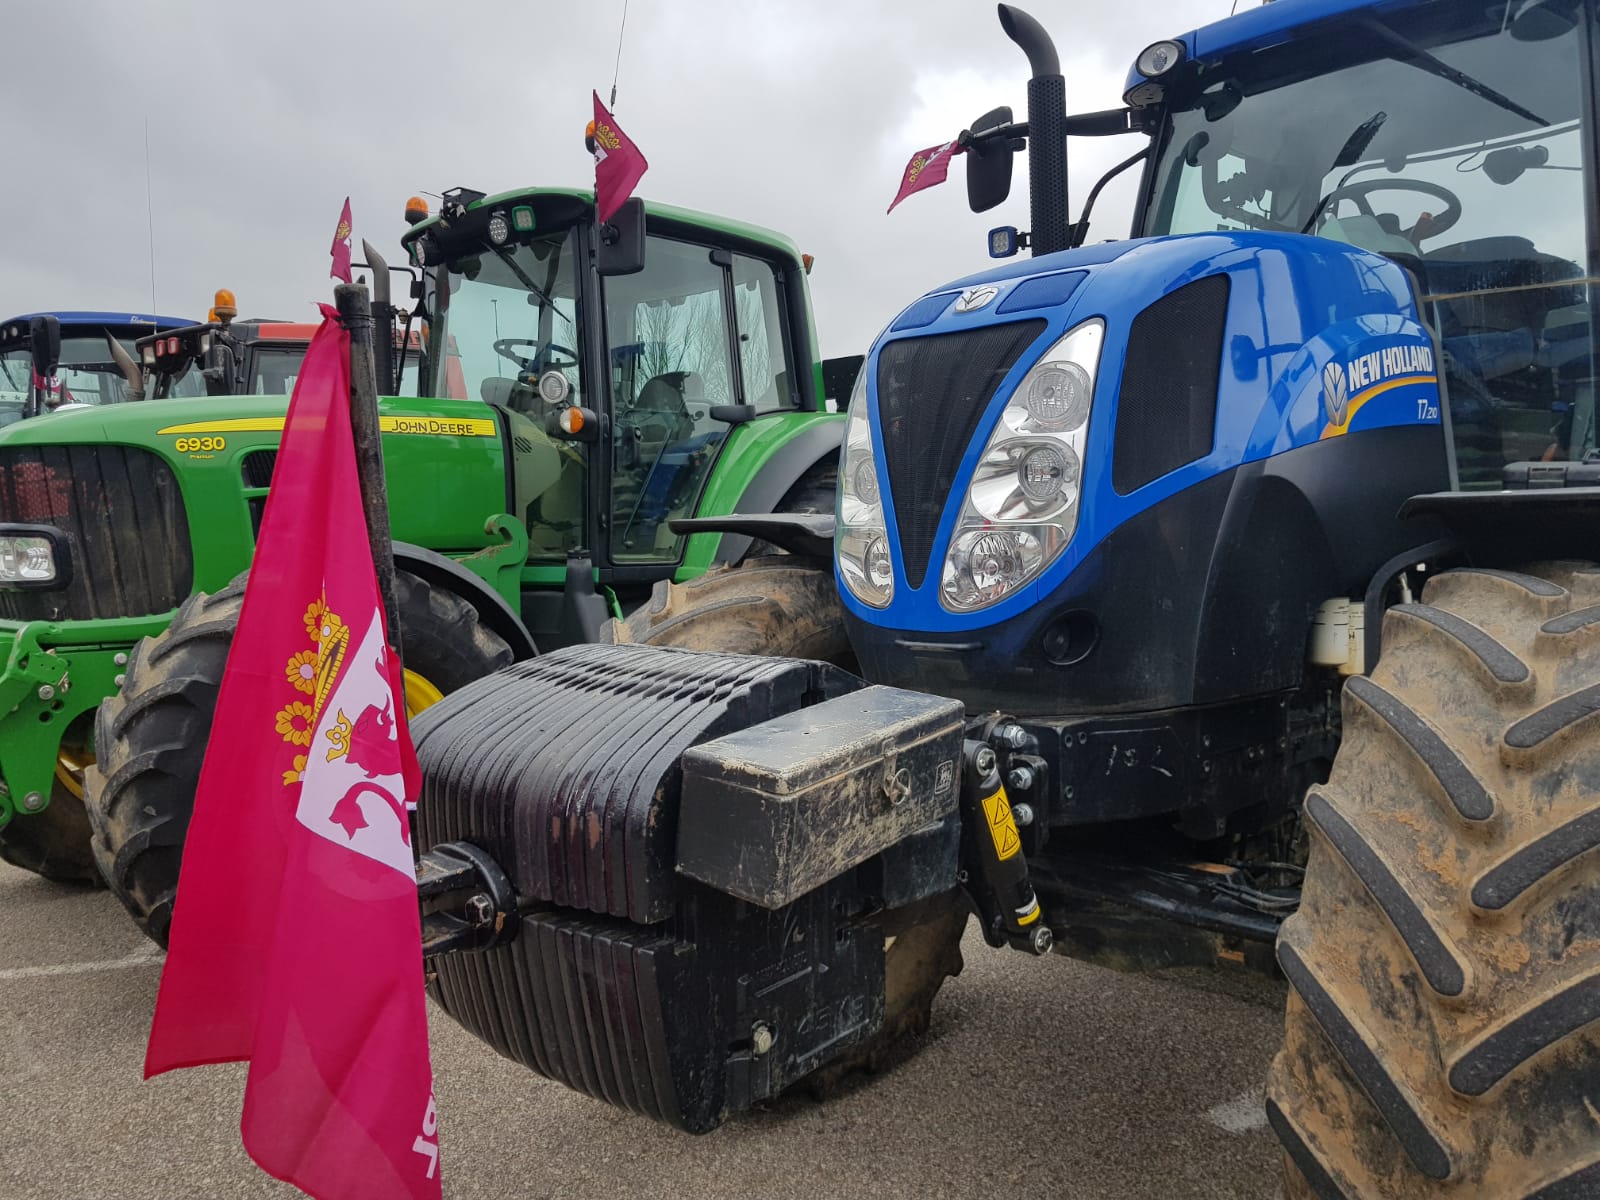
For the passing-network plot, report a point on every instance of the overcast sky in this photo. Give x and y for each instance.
(799, 116)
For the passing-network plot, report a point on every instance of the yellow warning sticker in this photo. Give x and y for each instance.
(997, 810)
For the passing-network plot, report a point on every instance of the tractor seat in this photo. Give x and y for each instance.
(668, 395)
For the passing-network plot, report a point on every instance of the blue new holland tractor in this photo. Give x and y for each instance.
(1222, 595)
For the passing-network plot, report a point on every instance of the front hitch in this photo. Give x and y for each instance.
(467, 901)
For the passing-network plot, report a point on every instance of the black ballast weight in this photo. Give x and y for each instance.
(626, 979)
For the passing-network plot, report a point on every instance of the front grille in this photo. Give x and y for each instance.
(932, 391)
(124, 518)
(1167, 408)
(256, 468)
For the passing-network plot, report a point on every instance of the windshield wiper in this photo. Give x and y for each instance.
(4, 366)
(1414, 55)
(523, 277)
(1354, 147)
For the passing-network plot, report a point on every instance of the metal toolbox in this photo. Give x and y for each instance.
(780, 808)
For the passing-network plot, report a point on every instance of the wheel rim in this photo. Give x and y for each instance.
(420, 692)
(71, 764)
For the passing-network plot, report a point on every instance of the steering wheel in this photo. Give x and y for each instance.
(543, 356)
(1434, 225)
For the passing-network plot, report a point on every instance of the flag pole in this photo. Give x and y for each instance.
(355, 314)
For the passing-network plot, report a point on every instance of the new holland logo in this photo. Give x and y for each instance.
(1335, 393)
(975, 298)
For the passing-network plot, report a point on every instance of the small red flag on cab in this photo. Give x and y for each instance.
(296, 943)
(341, 246)
(926, 168)
(618, 165)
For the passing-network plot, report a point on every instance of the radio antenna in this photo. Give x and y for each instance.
(616, 70)
(150, 216)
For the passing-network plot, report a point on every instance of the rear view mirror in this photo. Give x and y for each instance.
(621, 240)
(989, 165)
(44, 344)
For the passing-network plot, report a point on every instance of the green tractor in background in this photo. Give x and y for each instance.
(580, 388)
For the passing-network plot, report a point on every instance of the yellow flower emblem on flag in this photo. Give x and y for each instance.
(314, 619)
(302, 672)
(292, 777)
(607, 137)
(342, 232)
(295, 723)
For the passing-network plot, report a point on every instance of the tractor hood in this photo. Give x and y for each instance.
(213, 459)
(1009, 424)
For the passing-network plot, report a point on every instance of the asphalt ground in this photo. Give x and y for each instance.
(1037, 1079)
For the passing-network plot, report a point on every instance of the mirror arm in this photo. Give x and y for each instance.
(1108, 123)
(1081, 230)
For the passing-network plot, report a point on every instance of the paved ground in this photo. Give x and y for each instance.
(1038, 1079)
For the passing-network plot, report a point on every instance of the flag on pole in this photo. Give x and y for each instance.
(296, 943)
(618, 165)
(927, 168)
(341, 246)
(56, 392)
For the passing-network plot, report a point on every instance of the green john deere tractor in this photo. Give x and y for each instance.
(581, 388)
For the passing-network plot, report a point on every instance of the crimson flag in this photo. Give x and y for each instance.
(296, 943)
(926, 168)
(341, 246)
(618, 165)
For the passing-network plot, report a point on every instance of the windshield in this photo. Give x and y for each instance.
(86, 375)
(1440, 138)
(507, 333)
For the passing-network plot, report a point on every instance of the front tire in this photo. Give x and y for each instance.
(152, 735)
(53, 843)
(1442, 1035)
(778, 605)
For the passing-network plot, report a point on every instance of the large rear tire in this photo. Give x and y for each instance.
(785, 606)
(1442, 1036)
(151, 736)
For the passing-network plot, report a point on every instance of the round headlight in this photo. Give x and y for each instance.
(499, 228)
(880, 570)
(986, 564)
(1058, 395)
(865, 481)
(1045, 472)
(1159, 59)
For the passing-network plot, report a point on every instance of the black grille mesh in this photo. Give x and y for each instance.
(1167, 409)
(256, 468)
(931, 393)
(123, 516)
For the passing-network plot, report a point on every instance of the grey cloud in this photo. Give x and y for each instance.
(262, 118)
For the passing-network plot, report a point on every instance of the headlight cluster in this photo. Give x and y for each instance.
(1022, 505)
(862, 546)
(26, 560)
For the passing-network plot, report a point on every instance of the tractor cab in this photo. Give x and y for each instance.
(1455, 143)
(50, 361)
(622, 357)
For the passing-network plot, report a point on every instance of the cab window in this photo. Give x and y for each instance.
(668, 332)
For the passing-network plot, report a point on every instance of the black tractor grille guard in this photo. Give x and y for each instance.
(122, 512)
(932, 392)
